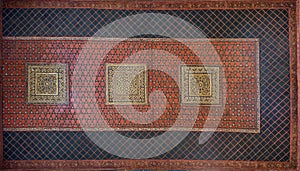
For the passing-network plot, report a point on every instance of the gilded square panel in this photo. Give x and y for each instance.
(126, 84)
(47, 83)
(200, 85)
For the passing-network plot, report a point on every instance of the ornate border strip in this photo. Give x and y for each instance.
(132, 39)
(150, 4)
(144, 164)
(298, 75)
(293, 86)
(257, 130)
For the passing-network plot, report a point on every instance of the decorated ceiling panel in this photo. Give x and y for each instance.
(92, 87)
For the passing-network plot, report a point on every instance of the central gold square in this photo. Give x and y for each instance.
(46, 84)
(200, 85)
(126, 84)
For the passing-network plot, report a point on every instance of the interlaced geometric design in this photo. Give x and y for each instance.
(119, 84)
(47, 83)
(200, 85)
(269, 26)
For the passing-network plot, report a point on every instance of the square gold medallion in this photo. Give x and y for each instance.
(126, 84)
(47, 83)
(200, 85)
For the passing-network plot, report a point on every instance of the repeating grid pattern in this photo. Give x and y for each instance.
(77, 146)
(270, 26)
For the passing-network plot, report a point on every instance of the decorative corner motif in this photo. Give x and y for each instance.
(47, 83)
(200, 85)
(126, 84)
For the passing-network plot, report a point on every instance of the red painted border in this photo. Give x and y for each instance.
(298, 75)
(182, 5)
(150, 4)
(142, 164)
(293, 85)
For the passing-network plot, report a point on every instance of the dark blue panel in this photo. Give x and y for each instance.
(270, 26)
